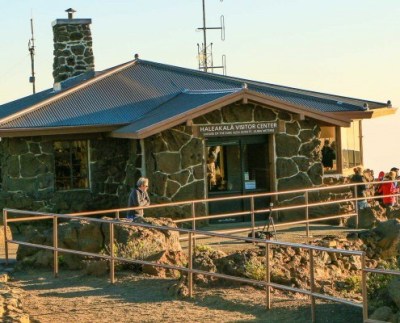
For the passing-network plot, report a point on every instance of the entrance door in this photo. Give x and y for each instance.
(237, 166)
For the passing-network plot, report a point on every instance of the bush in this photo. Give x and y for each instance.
(255, 269)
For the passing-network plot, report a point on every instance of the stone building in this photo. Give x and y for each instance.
(82, 144)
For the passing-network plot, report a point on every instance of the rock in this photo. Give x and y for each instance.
(388, 233)
(97, 268)
(394, 291)
(383, 313)
(174, 258)
(368, 218)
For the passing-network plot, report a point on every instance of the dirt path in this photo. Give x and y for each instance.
(74, 297)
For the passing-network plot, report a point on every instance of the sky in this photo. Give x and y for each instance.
(342, 47)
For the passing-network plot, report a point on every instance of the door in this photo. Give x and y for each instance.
(237, 166)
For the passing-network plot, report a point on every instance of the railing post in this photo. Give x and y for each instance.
(312, 284)
(268, 273)
(194, 223)
(364, 288)
(253, 222)
(55, 245)
(117, 215)
(356, 205)
(307, 215)
(5, 235)
(112, 260)
(190, 274)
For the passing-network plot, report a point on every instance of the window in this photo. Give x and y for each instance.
(351, 145)
(71, 165)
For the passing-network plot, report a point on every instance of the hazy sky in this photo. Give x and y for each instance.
(345, 47)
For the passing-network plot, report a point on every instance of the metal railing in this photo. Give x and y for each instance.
(192, 234)
(112, 258)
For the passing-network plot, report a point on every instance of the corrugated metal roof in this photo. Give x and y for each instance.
(130, 93)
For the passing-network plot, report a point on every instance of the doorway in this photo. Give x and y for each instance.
(237, 166)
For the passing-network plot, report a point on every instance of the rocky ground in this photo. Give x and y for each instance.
(74, 297)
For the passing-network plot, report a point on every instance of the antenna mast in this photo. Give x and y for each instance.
(205, 54)
(31, 48)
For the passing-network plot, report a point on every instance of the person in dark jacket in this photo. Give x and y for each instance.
(361, 188)
(139, 197)
(328, 155)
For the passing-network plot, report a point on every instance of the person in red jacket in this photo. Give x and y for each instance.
(389, 188)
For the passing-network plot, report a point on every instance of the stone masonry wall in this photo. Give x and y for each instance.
(174, 162)
(28, 176)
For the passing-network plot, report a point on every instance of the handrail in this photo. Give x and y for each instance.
(192, 233)
(190, 270)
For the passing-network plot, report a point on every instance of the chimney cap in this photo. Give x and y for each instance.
(70, 12)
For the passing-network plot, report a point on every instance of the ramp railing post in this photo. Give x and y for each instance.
(364, 288)
(253, 222)
(112, 260)
(356, 204)
(190, 274)
(55, 245)
(307, 215)
(5, 235)
(312, 284)
(268, 273)
(194, 223)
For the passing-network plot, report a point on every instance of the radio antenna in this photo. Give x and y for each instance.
(204, 51)
(31, 48)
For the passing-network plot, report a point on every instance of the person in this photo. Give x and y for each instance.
(139, 197)
(361, 188)
(389, 188)
(328, 155)
(378, 188)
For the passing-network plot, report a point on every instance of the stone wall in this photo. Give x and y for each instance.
(28, 176)
(175, 166)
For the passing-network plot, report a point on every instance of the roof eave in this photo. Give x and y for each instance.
(245, 95)
(48, 131)
(367, 114)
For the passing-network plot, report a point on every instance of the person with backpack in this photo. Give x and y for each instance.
(328, 155)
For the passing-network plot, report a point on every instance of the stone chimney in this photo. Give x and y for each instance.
(73, 53)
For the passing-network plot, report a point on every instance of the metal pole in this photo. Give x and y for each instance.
(117, 215)
(5, 235)
(190, 275)
(205, 38)
(194, 223)
(307, 215)
(364, 288)
(356, 205)
(268, 274)
(55, 245)
(312, 285)
(253, 224)
(112, 260)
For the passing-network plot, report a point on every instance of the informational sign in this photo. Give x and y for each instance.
(238, 129)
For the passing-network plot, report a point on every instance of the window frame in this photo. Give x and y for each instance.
(86, 163)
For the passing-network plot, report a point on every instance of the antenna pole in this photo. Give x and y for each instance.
(205, 54)
(31, 48)
(204, 38)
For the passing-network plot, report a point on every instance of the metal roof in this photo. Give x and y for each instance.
(141, 93)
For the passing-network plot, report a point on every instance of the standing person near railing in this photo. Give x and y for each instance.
(139, 197)
(361, 188)
(389, 188)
